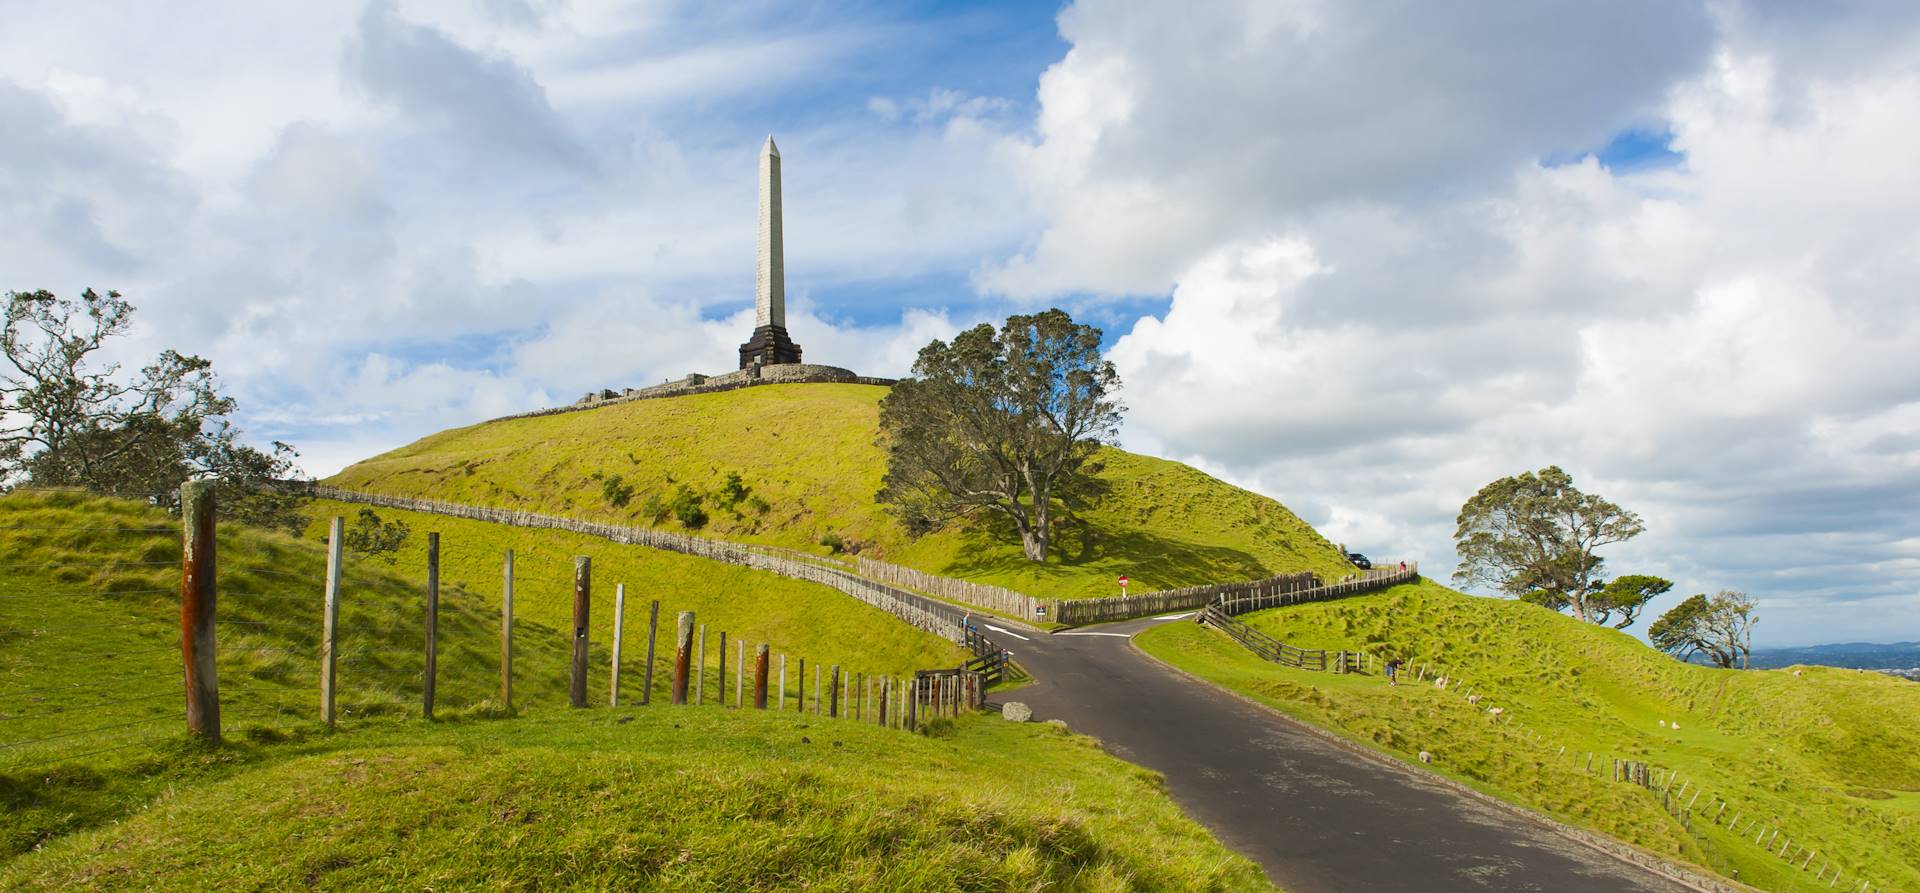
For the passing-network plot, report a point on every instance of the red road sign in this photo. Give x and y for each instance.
(1123, 582)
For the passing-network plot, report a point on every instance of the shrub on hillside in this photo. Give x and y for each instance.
(655, 509)
(617, 491)
(687, 508)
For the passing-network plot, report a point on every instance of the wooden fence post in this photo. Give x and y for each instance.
(739, 668)
(433, 625)
(653, 627)
(800, 686)
(760, 676)
(722, 699)
(782, 703)
(199, 590)
(506, 633)
(913, 702)
(619, 617)
(816, 689)
(582, 602)
(882, 705)
(700, 667)
(330, 621)
(682, 652)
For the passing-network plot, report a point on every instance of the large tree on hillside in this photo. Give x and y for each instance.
(1720, 627)
(67, 418)
(1533, 536)
(1002, 422)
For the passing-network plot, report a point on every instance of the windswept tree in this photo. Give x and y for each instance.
(1719, 627)
(67, 418)
(1533, 536)
(1002, 422)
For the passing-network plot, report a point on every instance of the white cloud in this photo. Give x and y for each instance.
(1724, 345)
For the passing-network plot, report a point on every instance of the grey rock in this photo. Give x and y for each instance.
(1014, 711)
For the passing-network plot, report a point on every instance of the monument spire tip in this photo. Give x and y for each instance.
(770, 148)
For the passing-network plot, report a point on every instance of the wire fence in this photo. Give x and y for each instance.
(100, 658)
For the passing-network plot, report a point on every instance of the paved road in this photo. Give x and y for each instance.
(1315, 815)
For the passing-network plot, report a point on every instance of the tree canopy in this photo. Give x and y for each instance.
(1720, 627)
(1005, 422)
(1533, 537)
(68, 418)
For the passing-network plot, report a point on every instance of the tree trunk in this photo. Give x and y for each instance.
(1034, 541)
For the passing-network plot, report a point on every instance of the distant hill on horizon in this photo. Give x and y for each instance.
(1849, 655)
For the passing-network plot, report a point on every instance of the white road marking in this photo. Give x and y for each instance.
(1114, 635)
(1176, 616)
(1008, 632)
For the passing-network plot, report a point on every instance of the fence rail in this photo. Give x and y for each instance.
(1219, 614)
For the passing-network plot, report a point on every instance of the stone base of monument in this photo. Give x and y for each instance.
(769, 346)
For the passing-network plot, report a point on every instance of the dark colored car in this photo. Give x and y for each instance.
(1360, 561)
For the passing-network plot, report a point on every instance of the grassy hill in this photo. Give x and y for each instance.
(1831, 756)
(100, 789)
(807, 460)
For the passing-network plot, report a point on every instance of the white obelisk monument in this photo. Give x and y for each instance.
(770, 344)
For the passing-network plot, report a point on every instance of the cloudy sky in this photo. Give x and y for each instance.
(1362, 257)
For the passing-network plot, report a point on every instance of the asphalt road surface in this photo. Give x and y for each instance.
(1315, 815)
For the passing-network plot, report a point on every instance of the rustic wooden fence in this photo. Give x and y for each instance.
(939, 620)
(993, 598)
(1219, 614)
(1125, 607)
(1233, 603)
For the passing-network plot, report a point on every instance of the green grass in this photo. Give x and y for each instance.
(657, 798)
(809, 453)
(1831, 756)
(90, 692)
(547, 797)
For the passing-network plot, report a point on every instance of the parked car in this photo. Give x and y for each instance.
(1360, 561)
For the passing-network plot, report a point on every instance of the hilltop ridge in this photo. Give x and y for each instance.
(796, 465)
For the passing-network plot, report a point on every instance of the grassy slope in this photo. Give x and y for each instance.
(809, 452)
(1815, 754)
(659, 798)
(90, 660)
(552, 798)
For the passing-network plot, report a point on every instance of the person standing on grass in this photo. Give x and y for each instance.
(1393, 671)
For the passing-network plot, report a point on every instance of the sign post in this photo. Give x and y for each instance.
(1123, 584)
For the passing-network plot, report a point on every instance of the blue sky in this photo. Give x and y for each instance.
(1363, 258)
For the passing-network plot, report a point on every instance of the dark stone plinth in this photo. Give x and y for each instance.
(771, 346)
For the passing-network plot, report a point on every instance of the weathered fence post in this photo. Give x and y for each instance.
(330, 620)
(722, 699)
(619, 616)
(506, 633)
(799, 686)
(739, 668)
(700, 667)
(885, 693)
(760, 676)
(913, 702)
(199, 590)
(782, 703)
(433, 625)
(816, 689)
(653, 626)
(682, 652)
(582, 602)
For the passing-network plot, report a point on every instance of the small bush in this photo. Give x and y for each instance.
(734, 490)
(687, 507)
(834, 543)
(618, 492)
(655, 510)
